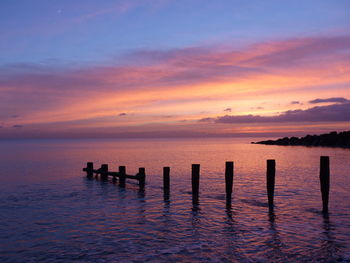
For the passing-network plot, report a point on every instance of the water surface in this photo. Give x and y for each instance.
(50, 212)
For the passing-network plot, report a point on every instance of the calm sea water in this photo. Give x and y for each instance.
(50, 212)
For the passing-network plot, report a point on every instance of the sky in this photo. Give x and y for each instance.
(173, 68)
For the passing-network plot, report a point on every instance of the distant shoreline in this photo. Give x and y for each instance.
(332, 139)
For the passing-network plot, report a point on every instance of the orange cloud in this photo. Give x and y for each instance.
(187, 84)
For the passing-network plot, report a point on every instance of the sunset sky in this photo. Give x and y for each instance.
(173, 68)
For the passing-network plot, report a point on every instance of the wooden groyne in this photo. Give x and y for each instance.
(121, 175)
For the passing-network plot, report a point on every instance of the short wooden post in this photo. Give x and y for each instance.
(89, 169)
(142, 178)
(122, 173)
(270, 181)
(104, 171)
(166, 179)
(195, 181)
(324, 181)
(229, 181)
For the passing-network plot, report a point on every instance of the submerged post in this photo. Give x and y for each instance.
(324, 181)
(142, 178)
(122, 173)
(89, 169)
(270, 181)
(228, 181)
(166, 179)
(104, 171)
(195, 182)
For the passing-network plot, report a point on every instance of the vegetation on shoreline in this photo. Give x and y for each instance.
(333, 139)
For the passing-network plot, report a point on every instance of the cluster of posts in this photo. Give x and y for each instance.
(270, 179)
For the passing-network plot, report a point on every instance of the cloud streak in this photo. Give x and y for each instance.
(338, 100)
(181, 83)
(330, 113)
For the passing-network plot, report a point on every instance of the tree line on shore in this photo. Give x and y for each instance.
(332, 139)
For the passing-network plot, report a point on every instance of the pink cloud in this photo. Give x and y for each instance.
(171, 77)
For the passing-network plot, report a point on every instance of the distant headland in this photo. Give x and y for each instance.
(333, 139)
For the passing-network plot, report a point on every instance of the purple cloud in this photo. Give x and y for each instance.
(302, 50)
(17, 126)
(228, 109)
(122, 114)
(295, 102)
(330, 113)
(337, 100)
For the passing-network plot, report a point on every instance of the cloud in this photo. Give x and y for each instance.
(300, 50)
(330, 113)
(337, 99)
(17, 126)
(257, 108)
(148, 81)
(122, 114)
(294, 102)
(228, 109)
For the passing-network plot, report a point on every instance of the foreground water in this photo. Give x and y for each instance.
(50, 212)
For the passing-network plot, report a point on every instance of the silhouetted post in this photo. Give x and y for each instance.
(324, 181)
(142, 179)
(122, 173)
(270, 181)
(195, 182)
(166, 179)
(89, 169)
(104, 171)
(228, 181)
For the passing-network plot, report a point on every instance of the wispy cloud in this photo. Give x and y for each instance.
(330, 113)
(338, 99)
(152, 84)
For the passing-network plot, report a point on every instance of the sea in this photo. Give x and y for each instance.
(51, 212)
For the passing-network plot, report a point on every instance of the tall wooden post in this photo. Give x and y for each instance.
(229, 181)
(122, 173)
(104, 171)
(324, 181)
(270, 181)
(142, 179)
(166, 179)
(195, 182)
(89, 169)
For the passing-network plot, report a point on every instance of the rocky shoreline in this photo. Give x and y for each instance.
(333, 139)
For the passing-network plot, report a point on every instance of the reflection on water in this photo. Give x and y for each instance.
(50, 212)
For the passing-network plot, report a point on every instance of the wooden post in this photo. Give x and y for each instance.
(104, 171)
(89, 169)
(195, 181)
(142, 179)
(166, 179)
(270, 181)
(122, 173)
(229, 181)
(324, 181)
